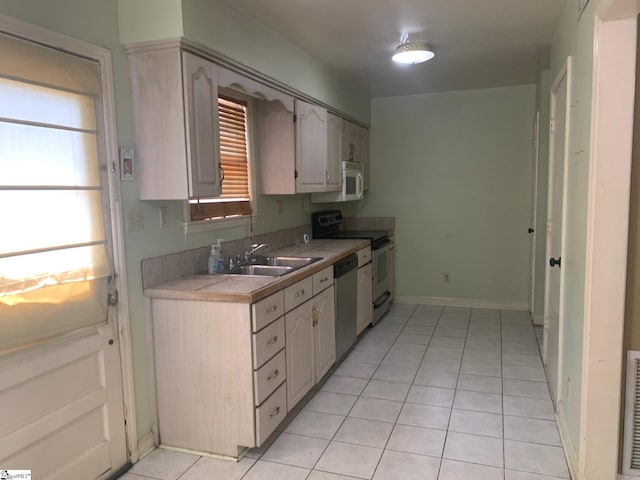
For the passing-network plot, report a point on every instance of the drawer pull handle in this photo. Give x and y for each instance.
(272, 340)
(298, 294)
(273, 375)
(271, 309)
(316, 315)
(324, 279)
(275, 413)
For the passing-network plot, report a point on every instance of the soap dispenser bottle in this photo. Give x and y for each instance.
(213, 260)
(220, 256)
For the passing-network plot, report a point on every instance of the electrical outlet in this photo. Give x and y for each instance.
(164, 217)
(446, 277)
(134, 219)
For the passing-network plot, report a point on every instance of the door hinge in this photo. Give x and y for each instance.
(295, 118)
(545, 324)
(295, 174)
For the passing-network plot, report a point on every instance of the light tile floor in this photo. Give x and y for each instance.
(430, 393)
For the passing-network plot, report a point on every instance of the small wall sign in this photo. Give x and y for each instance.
(127, 164)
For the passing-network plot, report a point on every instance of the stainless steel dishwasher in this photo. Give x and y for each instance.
(345, 273)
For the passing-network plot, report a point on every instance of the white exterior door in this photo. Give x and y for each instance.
(555, 221)
(61, 394)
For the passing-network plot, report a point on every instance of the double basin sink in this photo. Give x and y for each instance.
(271, 266)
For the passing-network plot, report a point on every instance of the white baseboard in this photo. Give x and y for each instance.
(626, 477)
(463, 302)
(538, 320)
(569, 449)
(146, 445)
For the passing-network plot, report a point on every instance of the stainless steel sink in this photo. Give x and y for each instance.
(297, 262)
(262, 270)
(272, 266)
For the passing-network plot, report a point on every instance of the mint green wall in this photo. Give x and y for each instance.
(543, 99)
(455, 170)
(144, 20)
(97, 22)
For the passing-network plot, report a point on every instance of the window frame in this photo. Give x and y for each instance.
(199, 226)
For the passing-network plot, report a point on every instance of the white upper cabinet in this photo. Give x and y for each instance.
(202, 126)
(334, 141)
(311, 148)
(298, 151)
(355, 147)
(175, 106)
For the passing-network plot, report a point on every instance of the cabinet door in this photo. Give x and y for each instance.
(334, 138)
(350, 142)
(299, 351)
(311, 147)
(203, 138)
(324, 331)
(364, 155)
(392, 272)
(365, 298)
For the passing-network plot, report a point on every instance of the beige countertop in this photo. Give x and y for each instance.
(250, 289)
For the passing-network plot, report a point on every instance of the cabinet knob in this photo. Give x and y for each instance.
(275, 413)
(271, 309)
(273, 375)
(272, 340)
(300, 293)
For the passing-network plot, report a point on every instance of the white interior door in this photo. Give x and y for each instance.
(555, 220)
(61, 401)
(532, 219)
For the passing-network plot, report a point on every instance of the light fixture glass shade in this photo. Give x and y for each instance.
(413, 52)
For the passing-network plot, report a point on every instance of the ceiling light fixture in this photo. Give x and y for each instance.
(412, 52)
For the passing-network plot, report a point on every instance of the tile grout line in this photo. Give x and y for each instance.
(354, 404)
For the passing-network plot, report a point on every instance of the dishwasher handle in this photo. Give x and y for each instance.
(345, 265)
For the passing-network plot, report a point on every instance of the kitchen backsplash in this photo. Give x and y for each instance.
(170, 267)
(369, 223)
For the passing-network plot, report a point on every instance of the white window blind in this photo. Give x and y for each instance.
(54, 262)
(234, 161)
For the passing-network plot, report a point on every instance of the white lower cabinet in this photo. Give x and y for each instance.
(365, 297)
(227, 373)
(324, 333)
(299, 340)
(311, 344)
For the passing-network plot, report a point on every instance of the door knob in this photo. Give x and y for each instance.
(530, 230)
(553, 262)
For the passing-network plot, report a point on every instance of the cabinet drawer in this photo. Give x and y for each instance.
(297, 293)
(322, 279)
(267, 310)
(267, 342)
(270, 414)
(269, 376)
(364, 256)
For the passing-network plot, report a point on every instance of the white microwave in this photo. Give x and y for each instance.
(352, 186)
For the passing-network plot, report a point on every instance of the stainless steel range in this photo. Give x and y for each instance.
(328, 223)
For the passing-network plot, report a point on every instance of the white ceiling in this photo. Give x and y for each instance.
(478, 43)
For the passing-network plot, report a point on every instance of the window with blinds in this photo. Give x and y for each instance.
(234, 160)
(54, 261)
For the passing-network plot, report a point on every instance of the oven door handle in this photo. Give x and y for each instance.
(381, 301)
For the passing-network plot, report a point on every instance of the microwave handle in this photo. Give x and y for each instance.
(360, 185)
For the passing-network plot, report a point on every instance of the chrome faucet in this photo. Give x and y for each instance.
(249, 254)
